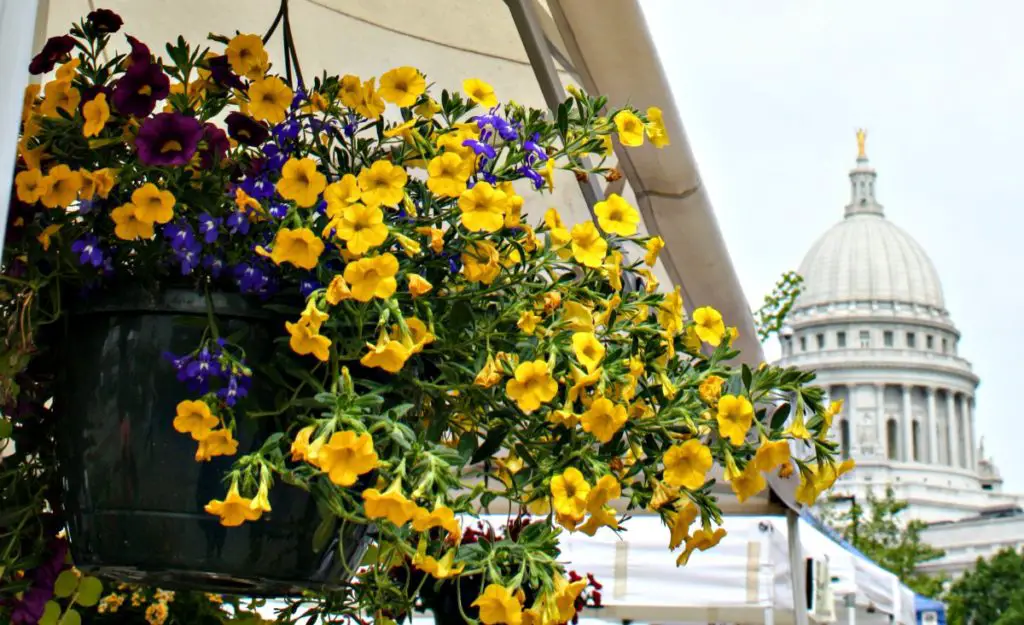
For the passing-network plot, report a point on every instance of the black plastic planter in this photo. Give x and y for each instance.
(134, 494)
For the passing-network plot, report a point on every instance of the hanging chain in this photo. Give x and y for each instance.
(291, 55)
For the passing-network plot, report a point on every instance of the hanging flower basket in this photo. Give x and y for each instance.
(342, 325)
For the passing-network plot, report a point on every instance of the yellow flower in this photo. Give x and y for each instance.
(418, 285)
(616, 216)
(448, 174)
(382, 183)
(582, 381)
(338, 291)
(402, 86)
(681, 522)
(111, 603)
(559, 233)
(300, 446)
(653, 247)
(69, 70)
(60, 187)
(702, 540)
(532, 386)
(103, 181)
(153, 204)
(442, 516)
(234, 509)
(128, 224)
(631, 129)
(370, 105)
(428, 108)
(687, 465)
(606, 490)
(480, 92)
(499, 606)
(388, 354)
(269, 99)
(566, 595)
(391, 505)
(411, 247)
(157, 612)
(569, 492)
(747, 483)
(439, 569)
(834, 408)
(807, 491)
(670, 313)
(711, 389)
(481, 262)
(655, 128)
(771, 454)
(578, 317)
(300, 247)
(489, 374)
(195, 418)
(247, 57)
(60, 95)
(351, 90)
(346, 456)
(340, 195)
(260, 502)
(548, 173)
(361, 227)
(709, 325)
(735, 414)
(301, 182)
(30, 185)
(528, 322)
(96, 113)
(307, 340)
(603, 419)
(44, 236)
(588, 246)
(589, 351)
(798, 429)
(372, 277)
(483, 208)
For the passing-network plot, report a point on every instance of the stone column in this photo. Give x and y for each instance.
(908, 424)
(954, 432)
(971, 448)
(933, 428)
(881, 428)
(849, 412)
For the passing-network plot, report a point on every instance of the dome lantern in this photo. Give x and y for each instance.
(862, 184)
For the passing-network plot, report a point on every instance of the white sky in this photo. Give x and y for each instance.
(771, 94)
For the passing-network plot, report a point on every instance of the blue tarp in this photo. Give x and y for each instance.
(924, 604)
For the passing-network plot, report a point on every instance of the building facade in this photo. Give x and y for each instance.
(872, 321)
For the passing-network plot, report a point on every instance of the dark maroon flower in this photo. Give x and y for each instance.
(105, 21)
(246, 130)
(216, 147)
(30, 608)
(139, 53)
(168, 139)
(142, 86)
(89, 94)
(220, 71)
(54, 50)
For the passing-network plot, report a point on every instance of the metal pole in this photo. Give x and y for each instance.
(17, 29)
(796, 567)
(851, 609)
(769, 616)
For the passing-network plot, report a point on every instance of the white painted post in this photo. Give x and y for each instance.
(908, 425)
(797, 567)
(933, 428)
(17, 30)
(851, 609)
(954, 431)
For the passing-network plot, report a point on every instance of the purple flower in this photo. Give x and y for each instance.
(85, 206)
(506, 130)
(140, 88)
(216, 147)
(489, 178)
(308, 285)
(189, 259)
(237, 222)
(298, 98)
(532, 174)
(168, 139)
(29, 609)
(250, 278)
(203, 367)
(182, 236)
(54, 50)
(140, 52)
(480, 149)
(278, 210)
(245, 129)
(276, 157)
(208, 225)
(213, 264)
(88, 250)
(220, 71)
(105, 21)
(287, 130)
(534, 149)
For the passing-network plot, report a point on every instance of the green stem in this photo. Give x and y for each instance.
(209, 313)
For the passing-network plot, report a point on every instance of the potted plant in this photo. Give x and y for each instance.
(280, 321)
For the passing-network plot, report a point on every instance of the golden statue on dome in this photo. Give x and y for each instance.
(862, 136)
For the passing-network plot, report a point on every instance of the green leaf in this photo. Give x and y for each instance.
(323, 533)
(6, 429)
(71, 617)
(66, 584)
(490, 445)
(467, 444)
(89, 591)
(780, 416)
(563, 118)
(51, 612)
(747, 377)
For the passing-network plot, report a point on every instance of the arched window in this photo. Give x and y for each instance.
(917, 441)
(844, 438)
(892, 448)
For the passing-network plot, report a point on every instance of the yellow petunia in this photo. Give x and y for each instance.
(269, 99)
(300, 247)
(247, 56)
(306, 340)
(128, 225)
(489, 374)
(603, 419)
(532, 386)
(438, 569)
(338, 291)
(670, 313)
(481, 262)
(528, 321)
(60, 95)
(483, 208)
(372, 277)
(382, 183)
(480, 92)
(44, 236)
(606, 490)
(30, 185)
(569, 493)
(153, 204)
(448, 174)
(735, 416)
(216, 443)
(616, 216)
(60, 187)
(440, 516)
(301, 182)
(391, 505)
(341, 194)
(234, 509)
(361, 227)
(746, 483)
(96, 113)
(653, 247)
(578, 317)
(588, 246)
(631, 129)
(709, 325)
(771, 454)
(655, 128)
(402, 86)
(370, 105)
(499, 606)
(687, 465)
(418, 285)
(559, 233)
(388, 354)
(589, 351)
(195, 418)
(301, 444)
(701, 540)
(346, 456)
(710, 389)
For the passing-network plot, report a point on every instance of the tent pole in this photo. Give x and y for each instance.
(769, 616)
(17, 29)
(851, 609)
(796, 567)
